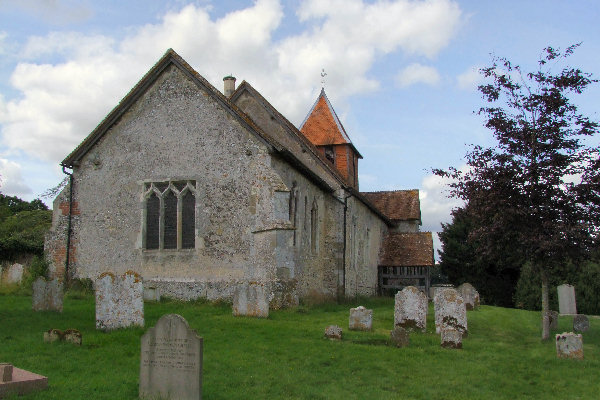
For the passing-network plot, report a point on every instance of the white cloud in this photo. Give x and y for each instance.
(470, 79)
(11, 180)
(54, 11)
(60, 103)
(435, 203)
(417, 73)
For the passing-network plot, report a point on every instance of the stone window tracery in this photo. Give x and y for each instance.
(170, 215)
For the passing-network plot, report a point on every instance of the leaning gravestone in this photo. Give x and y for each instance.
(566, 300)
(250, 299)
(119, 301)
(361, 319)
(47, 295)
(569, 345)
(450, 311)
(581, 323)
(470, 295)
(410, 309)
(171, 361)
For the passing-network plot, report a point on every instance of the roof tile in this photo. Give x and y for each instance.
(407, 250)
(397, 205)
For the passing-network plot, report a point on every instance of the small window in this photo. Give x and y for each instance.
(170, 220)
(330, 154)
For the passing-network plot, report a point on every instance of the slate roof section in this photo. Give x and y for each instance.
(322, 125)
(397, 205)
(407, 250)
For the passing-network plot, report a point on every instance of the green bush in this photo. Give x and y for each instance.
(23, 233)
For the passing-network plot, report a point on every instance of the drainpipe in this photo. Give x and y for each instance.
(68, 247)
(345, 245)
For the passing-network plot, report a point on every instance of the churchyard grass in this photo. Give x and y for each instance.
(286, 356)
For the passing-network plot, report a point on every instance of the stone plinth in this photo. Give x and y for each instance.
(171, 361)
(400, 337)
(581, 323)
(250, 299)
(6, 372)
(119, 301)
(410, 309)
(47, 295)
(470, 296)
(566, 300)
(22, 382)
(450, 311)
(361, 319)
(569, 345)
(333, 332)
(451, 338)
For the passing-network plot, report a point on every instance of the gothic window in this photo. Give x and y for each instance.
(170, 220)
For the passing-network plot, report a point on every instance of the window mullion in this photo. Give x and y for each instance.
(161, 224)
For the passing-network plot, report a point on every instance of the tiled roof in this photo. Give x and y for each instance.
(407, 250)
(397, 205)
(322, 125)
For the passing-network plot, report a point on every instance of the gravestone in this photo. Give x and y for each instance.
(569, 345)
(47, 295)
(450, 311)
(451, 338)
(72, 336)
(333, 332)
(14, 274)
(581, 323)
(470, 296)
(18, 381)
(250, 299)
(151, 293)
(399, 337)
(171, 360)
(553, 319)
(361, 319)
(119, 301)
(566, 300)
(410, 309)
(53, 335)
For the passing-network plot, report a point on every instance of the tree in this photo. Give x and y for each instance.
(541, 181)
(494, 275)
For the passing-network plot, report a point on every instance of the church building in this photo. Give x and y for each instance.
(198, 191)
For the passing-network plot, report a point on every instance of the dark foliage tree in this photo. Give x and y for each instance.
(494, 275)
(541, 181)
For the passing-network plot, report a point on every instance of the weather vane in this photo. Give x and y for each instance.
(323, 75)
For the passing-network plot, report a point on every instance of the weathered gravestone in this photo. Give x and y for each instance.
(119, 301)
(171, 361)
(410, 309)
(18, 381)
(13, 274)
(450, 311)
(470, 296)
(553, 319)
(333, 332)
(47, 295)
(361, 319)
(566, 300)
(581, 323)
(451, 338)
(569, 345)
(399, 337)
(151, 293)
(250, 299)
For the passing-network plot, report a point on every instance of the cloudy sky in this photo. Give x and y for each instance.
(402, 75)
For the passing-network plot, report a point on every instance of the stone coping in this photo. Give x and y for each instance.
(23, 382)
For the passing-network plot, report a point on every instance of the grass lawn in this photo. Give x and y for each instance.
(286, 356)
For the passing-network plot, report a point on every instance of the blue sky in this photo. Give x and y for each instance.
(402, 75)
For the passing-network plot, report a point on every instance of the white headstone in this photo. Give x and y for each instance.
(470, 295)
(171, 361)
(361, 319)
(566, 300)
(450, 311)
(569, 345)
(119, 301)
(410, 309)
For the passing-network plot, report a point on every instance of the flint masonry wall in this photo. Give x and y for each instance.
(176, 131)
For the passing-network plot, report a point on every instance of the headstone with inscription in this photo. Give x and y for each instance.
(566, 300)
(171, 361)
